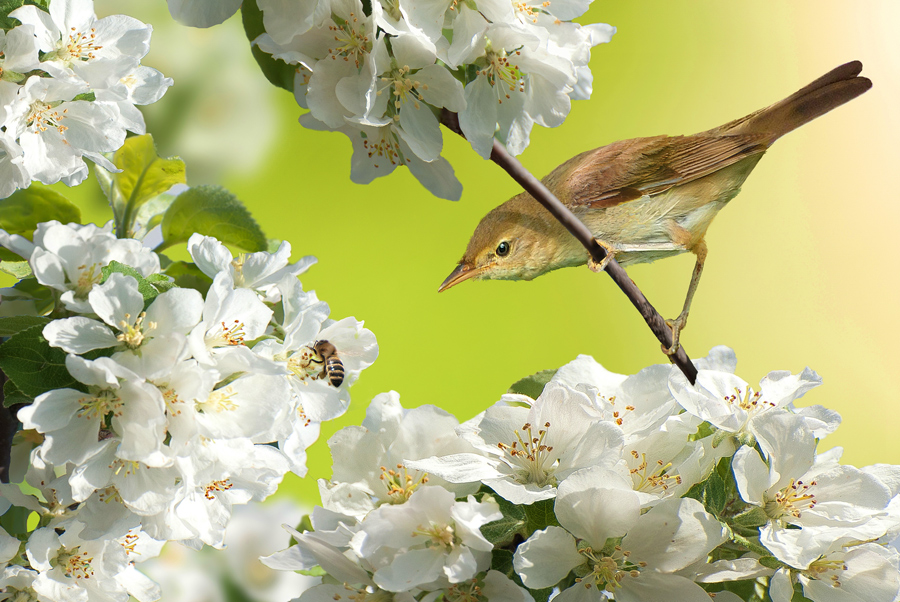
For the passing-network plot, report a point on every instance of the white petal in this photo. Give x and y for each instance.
(546, 557)
(674, 534)
(438, 177)
(443, 90)
(420, 129)
(479, 119)
(409, 569)
(79, 335)
(751, 475)
(658, 586)
(457, 468)
(780, 587)
(596, 504)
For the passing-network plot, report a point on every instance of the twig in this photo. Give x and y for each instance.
(536, 189)
(8, 427)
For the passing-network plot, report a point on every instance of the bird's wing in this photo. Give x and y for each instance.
(627, 170)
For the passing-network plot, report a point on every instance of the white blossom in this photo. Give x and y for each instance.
(368, 460)
(69, 258)
(525, 452)
(429, 538)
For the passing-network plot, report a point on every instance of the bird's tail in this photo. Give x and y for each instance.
(833, 89)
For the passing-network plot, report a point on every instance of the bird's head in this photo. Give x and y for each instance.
(516, 241)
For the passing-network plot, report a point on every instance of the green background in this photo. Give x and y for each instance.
(803, 265)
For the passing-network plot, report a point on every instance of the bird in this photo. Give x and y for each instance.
(644, 199)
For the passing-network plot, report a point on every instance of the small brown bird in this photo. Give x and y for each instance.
(646, 198)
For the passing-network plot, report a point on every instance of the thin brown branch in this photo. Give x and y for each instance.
(535, 188)
(8, 427)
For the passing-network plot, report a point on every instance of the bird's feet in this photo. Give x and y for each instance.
(677, 325)
(596, 266)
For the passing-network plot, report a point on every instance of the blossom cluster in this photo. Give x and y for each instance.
(382, 71)
(69, 83)
(655, 489)
(181, 404)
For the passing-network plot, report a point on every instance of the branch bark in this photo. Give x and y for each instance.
(8, 427)
(535, 188)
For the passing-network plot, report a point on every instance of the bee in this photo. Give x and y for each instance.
(318, 361)
(334, 367)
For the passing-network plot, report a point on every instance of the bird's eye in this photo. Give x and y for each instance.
(503, 249)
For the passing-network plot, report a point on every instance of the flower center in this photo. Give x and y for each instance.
(233, 335)
(42, 117)
(133, 336)
(655, 479)
(173, 402)
(532, 456)
(607, 571)
(503, 75)
(237, 265)
(826, 571)
(218, 401)
(88, 276)
(750, 401)
(467, 591)
(352, 41)
(385, 148)
(792, 500)
(440, 535)
(217, 486)
(80, 46)
(20, 595)
(124, 468)
(76, 564)
(527, 12)
(400, 484)
(403, 89)
(99, 405)
(129, 543)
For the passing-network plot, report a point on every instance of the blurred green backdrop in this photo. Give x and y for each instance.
(803, 267)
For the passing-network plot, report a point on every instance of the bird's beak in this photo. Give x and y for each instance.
(463, 271)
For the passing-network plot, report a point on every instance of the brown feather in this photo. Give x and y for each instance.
(616, 173)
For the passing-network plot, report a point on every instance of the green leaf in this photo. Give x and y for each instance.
(213, 211)
(754, 516)
(15, 521)
(503, 531)
(715, 494)
(145, 287)
(12, 395)
(30, 289)
(161, 282)
(19, 269)
(11, 325)
(278, 72)
(540, 515)
(23, 210)
(770, 562)
(502, 560)
(36, 367)
(533, 385)
(188, 275)
(144, 176)
(85, 96)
